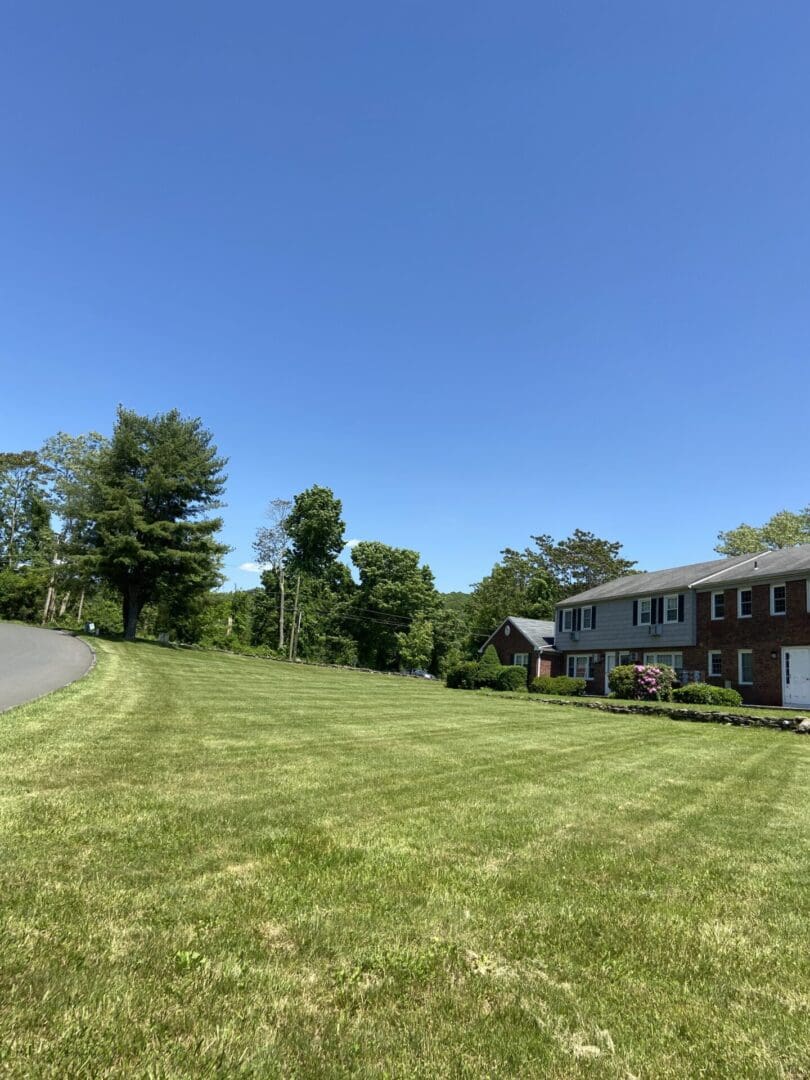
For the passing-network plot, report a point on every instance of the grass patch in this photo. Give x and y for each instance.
(214, 866)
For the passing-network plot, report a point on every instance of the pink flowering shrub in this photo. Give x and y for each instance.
(642, 682)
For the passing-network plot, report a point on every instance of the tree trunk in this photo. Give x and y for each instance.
(295, 615)
(50, 598)
(132, 609)
(281, 607)
(81, 605)
(64, 604)
(46, 611)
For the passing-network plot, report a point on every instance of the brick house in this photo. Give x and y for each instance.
(527, 642)
(742, 622)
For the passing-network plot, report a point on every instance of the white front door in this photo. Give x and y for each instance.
(610, 663)
(796, 676)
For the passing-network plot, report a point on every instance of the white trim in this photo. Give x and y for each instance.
(675, 597)
(719, 592)
(714, 674)
(778, 585)
(740, 591)
(589, 609)
(517, 663)
(727, 569)
(569, 612)
(646, 600)
(740, 680)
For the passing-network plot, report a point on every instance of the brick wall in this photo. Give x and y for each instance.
(506, 645)
(763, 633)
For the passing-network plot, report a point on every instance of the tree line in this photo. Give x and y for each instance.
(123, 531)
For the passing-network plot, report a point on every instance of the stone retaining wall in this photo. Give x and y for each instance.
(798, 724)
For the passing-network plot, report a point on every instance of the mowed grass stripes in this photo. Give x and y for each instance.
(215, 866)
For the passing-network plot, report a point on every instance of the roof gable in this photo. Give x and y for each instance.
(538, 632)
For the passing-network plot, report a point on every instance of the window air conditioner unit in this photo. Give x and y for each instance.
(655, 630)
(575, 635)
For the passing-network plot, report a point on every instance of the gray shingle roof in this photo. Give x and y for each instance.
(540, 632)
(769, 565)
(657, 581)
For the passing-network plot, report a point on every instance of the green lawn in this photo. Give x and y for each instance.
(215, 866)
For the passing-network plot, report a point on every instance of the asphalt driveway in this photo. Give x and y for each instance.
(33, 662)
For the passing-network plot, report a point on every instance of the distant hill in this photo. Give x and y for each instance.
(456, 601)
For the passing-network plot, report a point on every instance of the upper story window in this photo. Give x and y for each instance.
(718, 605)
(745, 603)
(575, 619)
(778, 599)
(654, 610)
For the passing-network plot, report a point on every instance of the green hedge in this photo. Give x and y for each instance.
(463, 676)
(562, 685)
(489, 667)
(705, 694)
(511, 678)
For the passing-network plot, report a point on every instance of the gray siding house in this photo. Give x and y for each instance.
(641, 618)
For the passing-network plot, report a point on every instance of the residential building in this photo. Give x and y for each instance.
(527, 642)
(742, 622)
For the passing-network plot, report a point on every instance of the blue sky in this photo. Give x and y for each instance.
(485, 269)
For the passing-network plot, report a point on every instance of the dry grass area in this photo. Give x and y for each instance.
(214, 866)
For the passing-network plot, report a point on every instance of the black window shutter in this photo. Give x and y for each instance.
(559, 619)
(579, 619)
(593, 616)
(680, 607)
(635, 613)
(660, 609)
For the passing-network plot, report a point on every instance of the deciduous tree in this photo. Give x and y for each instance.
(394, 590)
(582, 561)
(785, 529)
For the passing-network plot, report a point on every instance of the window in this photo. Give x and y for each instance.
(579, 667)
(745, 663)
(670, 609)
(520, 659)
(627, 658)
(778, 599)
(671, 659)
(718, 605)
(645, 612)
(745, 603)
(715, 664)
(587, 618)
(568, 619)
